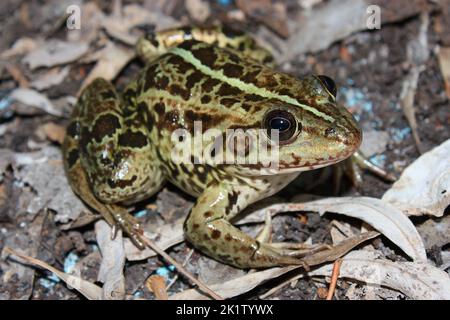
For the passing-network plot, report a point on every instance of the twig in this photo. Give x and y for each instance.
(189, 255)
(334, 277)
(180, 268)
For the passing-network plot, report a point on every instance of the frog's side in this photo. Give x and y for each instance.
(118, 149)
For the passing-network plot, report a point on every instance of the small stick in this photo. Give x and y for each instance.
(180, 268)
(189, 255)
(334, 277)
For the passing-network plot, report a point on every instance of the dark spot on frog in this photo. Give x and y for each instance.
(121, 183)
(187, 45)
(228, 102)
(179, 63)
(253, 97)
(206, 56)
(231, 33)
(232, 70)
(133, 139)
(171, 118)
(205, 99)
(108, 94)
(177, 90)
(228, 237)
(215, 234)
(161, 83)
(142, 110)
(193, 78)
(209, 84)
(195, 226)
(232, 199)
(73, 129)
(227, 90)
(251, 76)
(150, 76)
(73, 157)
(105, 125)
(208, 214)
(159, 108)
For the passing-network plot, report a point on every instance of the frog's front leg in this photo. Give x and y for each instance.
(208, 228)
(108, 157)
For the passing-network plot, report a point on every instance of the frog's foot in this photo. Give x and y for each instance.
(353, 167)
(125, 221)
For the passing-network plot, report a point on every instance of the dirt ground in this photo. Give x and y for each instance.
(375, 70)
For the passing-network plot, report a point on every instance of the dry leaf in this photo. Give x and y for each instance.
(21, 46)
(444, 63)
(111, 62)
(51, 78)
(198, 9)
(54, 132)
(113, 262)
(44, 172)
(424, 187)
(414, 279)
(55, 52)
(35, 99)
(89, 290)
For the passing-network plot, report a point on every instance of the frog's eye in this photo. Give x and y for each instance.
(283, 121)
(329, 84)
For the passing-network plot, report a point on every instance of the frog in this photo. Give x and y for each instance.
(119, 147)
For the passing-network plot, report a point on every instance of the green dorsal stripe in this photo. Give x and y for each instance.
(246, 87)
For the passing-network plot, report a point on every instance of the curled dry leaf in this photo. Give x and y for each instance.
(415, 279)
(424, 187)
(51, 78)
(54, 132)
(111, 62)
(387, 219)
(87, 289)
(35, 99)
(238, 286)
(113, 261)
(55, 52)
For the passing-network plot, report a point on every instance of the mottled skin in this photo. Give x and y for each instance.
(118, 148)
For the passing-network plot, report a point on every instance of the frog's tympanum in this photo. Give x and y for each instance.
(119, 147)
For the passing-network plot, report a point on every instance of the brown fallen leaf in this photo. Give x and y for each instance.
(444, 63)
(54, 132)
(89, 290)
(157, 285)
(272, 14)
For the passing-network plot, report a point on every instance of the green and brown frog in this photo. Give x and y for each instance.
(118, 148)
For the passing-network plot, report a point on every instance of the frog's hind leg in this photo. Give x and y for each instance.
(208, 228)
(154, 44)
(108, 157)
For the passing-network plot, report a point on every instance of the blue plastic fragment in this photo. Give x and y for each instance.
(224, 2)
(140, 214)
(70, 262)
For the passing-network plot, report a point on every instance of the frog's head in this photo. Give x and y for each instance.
(313, 130)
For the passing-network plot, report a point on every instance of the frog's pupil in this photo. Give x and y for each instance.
(280, 124)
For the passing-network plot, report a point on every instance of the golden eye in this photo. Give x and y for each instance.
(284, 122)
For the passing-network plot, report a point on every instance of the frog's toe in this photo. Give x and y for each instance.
(353, 167)
(128, 224)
